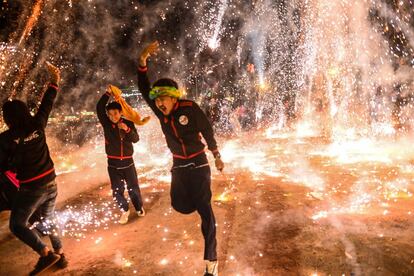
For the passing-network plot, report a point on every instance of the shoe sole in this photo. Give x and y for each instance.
(47, 267)
(61, 266)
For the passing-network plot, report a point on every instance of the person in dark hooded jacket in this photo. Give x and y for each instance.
(23, 147)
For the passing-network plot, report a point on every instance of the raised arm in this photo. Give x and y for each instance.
(144, 84)
(145, 88)
(49, 97)
(101, 111)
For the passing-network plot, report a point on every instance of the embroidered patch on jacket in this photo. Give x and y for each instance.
(183, 120)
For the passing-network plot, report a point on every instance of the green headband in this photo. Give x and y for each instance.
(158, 91)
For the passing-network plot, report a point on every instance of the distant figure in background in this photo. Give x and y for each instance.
(402, 98)
(321, 106)
(252, 98)
(183, 122)
(23, 147)
(212, 110)
(120, 134)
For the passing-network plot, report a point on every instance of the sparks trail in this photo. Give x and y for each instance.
(32, 20)
(313, 98)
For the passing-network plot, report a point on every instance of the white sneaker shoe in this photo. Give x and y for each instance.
(211, 268)
(124, 217)
(141, 213)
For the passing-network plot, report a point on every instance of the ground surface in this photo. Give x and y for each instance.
(285, 205)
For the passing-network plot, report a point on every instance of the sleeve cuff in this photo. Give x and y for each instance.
(54, 86)
(142, 69)
(216, 153)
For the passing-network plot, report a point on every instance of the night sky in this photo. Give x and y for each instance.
(97, 42)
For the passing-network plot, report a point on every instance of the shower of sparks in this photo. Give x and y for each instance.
(33, 18)
(212, 24)
(326, 95)
(78, 221)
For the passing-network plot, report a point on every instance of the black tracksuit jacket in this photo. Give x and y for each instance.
(183, 127)
(8, 193)
(27, 152)
(118, 142)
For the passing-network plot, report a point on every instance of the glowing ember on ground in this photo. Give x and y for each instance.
(164, 262)
(318, 181)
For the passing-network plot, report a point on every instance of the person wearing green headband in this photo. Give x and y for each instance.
(183, 123)
(165, 94)
(170, 91)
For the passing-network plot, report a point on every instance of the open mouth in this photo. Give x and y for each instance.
(163, 108)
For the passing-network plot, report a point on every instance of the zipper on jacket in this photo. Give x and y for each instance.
(122, 144)
(176, 134)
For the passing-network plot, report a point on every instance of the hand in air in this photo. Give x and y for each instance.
(54, 73)
(148, 51)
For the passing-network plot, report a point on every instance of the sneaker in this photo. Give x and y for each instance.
(63, 262)
(45, 262)
(124, 217)
(211, 268)
(141, 213)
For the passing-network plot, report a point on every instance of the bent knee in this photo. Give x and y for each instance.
(15, 226)
(183, 209)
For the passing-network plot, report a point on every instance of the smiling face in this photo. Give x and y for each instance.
(114, 115)
(165, 104)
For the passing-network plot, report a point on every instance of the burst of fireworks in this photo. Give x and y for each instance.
(32, 20)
